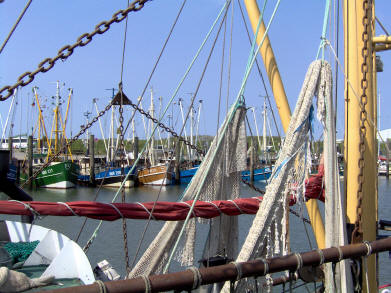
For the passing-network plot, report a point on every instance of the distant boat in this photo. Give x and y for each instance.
(155, 175)
(260, 174)
(60, 175)
(112, 177)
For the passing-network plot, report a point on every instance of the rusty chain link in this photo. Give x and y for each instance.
(357, 234)
(122, 152)
(68, 144)
(66, 51)
(166, 128)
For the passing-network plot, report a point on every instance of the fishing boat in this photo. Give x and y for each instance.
(155, 175)
(49, 256)
(154, 172)
(62, 173)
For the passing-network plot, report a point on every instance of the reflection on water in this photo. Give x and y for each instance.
(109, 242)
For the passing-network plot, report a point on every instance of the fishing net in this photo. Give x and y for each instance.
(268, 234)
(218, 178)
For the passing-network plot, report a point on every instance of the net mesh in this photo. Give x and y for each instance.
(268, 234)
(218, 177)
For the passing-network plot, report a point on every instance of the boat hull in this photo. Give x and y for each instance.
(61, 175)
(261, 174)
(155, 175)
(114, 177)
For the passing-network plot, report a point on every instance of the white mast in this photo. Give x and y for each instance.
(100, 124)
(183, 121)
(152, 111)
(264, 134)
(9, 114)
(191, 132)
(256, 127)
(198, 121)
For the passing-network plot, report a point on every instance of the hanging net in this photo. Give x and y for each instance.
(218, 178)
(268, 234)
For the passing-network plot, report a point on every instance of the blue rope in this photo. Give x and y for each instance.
(324, 31)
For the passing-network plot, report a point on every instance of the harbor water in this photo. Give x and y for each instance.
(109, 243)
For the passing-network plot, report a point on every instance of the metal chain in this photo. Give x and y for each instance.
(248, 183)
(66, 51)
(68, 144)
(357, 231)
(122, 152)
(166, 128)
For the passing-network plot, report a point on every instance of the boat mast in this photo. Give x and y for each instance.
(264, 134)
(180, 100)
(56, 120)
(152, 111)
(191, 132)
(360, 188)
(198, 121)
(282, 105)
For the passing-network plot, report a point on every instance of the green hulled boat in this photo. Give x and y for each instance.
(58, 175)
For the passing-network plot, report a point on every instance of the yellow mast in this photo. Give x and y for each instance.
(282, 106)
(354, 51)
(40, 121)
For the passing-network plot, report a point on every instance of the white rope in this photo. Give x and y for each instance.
(102, 286)
(321, 255)
(116, 209)
(217, 208)
(145, 208)
(197, 278)
(299, 261)
(265, 265)
(369, 247)
(190, 209)
(238, 267)
(147, 283)
(28, 207)
(240, 211)
(68, 207)
(340, 254)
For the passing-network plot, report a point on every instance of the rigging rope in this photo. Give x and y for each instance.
(95, 233)
(324, 30)
(67, 50)
(15, 25)
(260, 72)
(238, 102)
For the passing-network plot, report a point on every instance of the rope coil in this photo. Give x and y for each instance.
(217, 208)
(28, 207)
(197, 278)
(238, 267)
(320, 252)
(192, 210)
(299, 261)
(340, 253)
(147, 282)
(265, 265)
(149, 212)
(369, 247)
(235, 204)
(102, 286)
(69, 208)
(117, 210)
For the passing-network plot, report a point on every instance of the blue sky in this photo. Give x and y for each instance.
(49, 25)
